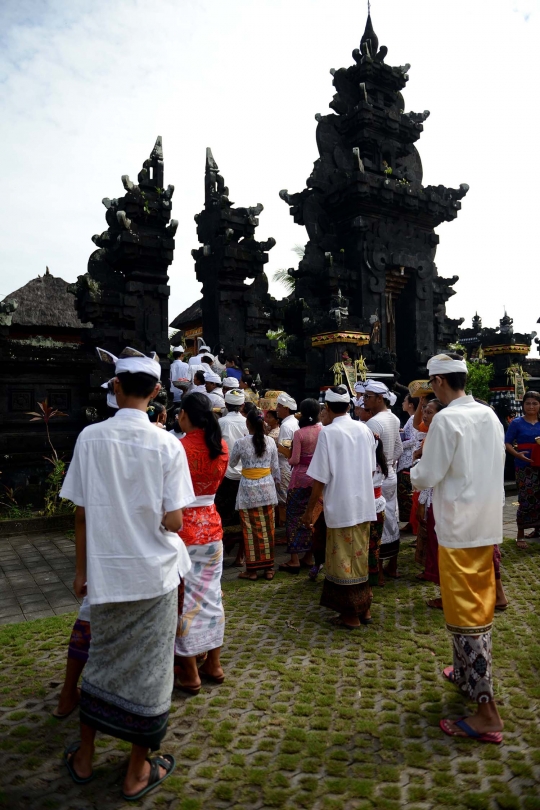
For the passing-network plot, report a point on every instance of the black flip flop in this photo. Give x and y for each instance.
(166, 761)
(72, 749)
(349, 627)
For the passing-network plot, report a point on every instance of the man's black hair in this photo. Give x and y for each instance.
(199, 375)
(233, 408)
(457, 379)
(338, 407)
(178, 351)
(139, 384)
(206, 359)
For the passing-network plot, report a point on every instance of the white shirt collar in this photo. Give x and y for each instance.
(466, 400)
(131, 413)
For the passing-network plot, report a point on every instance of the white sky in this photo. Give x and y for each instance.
(85, 88)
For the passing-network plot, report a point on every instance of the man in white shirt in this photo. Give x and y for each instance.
(212, 383)
(463, 460)
(233, 427)
(342, 469)
(198, 359)
(286, 408)
(129, 483)
(179, 371)
(386, 425)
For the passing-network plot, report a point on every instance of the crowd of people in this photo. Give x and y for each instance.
(153, 510)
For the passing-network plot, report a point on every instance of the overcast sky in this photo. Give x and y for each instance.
(85, 88)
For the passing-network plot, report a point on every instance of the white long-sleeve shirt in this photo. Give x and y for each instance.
(463, 460)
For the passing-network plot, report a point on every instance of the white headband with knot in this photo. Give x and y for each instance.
(235, 397)
(360, 387)
(131, 361)
(230, 382)
(332, 396)
(442, 364)
(287, 401)
(212, 377)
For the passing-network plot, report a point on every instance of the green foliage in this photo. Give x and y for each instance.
(55, 505)
(282, 277)
(478, 378)
(282, 340)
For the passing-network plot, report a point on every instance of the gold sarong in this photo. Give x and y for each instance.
(347, 554)
(467, 589)
(254, 473)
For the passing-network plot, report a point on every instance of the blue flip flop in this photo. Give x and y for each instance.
(166, 761)
(72, 749)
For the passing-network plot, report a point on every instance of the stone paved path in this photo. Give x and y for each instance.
(309, 716)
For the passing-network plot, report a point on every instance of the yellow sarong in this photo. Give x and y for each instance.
(254, 473)
(347, 554)
(467, 589)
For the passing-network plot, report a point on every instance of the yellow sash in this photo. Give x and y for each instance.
(254, 473)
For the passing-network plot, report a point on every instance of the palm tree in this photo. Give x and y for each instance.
(282, 276)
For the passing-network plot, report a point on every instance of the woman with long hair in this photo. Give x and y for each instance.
(521, 443)
(299, 537)
(257, 454)
(201, 622)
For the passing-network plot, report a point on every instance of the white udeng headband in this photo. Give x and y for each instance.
(132, 363)
(331, 396)
(287, 401)
(442, 364)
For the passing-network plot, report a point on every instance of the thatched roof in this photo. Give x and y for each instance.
(190, 315)
(45, 301)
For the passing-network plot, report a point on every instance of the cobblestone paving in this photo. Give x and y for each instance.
(309, 716)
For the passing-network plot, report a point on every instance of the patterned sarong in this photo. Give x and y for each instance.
(258, 528)
(473, 666)
(528, 483)
(128, 680)
(404, 495)
(79, 642)
(375, 536)
(299, 538)
(202, 623)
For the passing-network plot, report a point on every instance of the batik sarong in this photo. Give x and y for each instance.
(404, 495)
(528, 483)
(319, 535)
(375, 537)
(128, 680)
(390, 536)
(258, 527)
(346, 588)
(79, 642)
(431, 571)
(299, 537)
(202, 623)
(473, 666)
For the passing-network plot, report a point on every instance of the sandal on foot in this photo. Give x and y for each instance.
(448, 673)
(337, 622)
(488, 737)
(436, 604)
(72, 749)
(289, 569)
(501, 607)
(247, 575)
(313, 572)
(366, 621)
(189, 690)
(393, 576)
(269, 575)
(212, 678)
(166, 761)
(523, 545)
